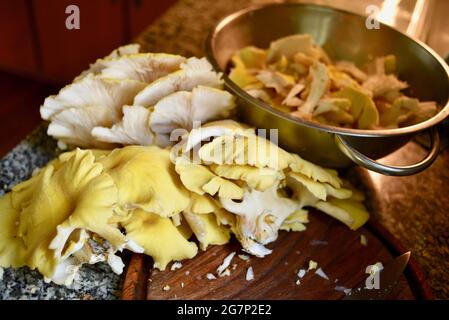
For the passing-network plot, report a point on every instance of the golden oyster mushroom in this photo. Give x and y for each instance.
(206, 229)
(12, 248)
(159, 237)
(362, 107)
(53, 213)
(259, 179)
(146, 179)
(244, 150)
(199, 179)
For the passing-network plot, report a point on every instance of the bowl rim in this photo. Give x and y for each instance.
(421, 126)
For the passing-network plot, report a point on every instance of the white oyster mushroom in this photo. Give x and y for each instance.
(144, 67)
(261, 213)
(163, 140)
(133, 129)
(99, 65)
(181, 110)
(91, 91)
(193, 72)
(226, 263)
(74, 125)
(83, 105)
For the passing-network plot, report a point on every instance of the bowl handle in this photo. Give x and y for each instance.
(373, 165)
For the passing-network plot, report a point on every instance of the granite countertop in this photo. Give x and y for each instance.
(414, 209)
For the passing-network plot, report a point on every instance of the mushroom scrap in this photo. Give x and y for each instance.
(296, 76)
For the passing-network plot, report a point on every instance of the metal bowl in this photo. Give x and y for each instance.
(343, 35)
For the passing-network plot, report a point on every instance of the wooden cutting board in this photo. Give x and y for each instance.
(337, 250)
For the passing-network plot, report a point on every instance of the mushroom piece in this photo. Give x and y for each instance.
(133, 129)
(146, 179)
(199, 179)
(97, 66)
(289, 46)
(363, 108)
(260, 213)
(159, 238)
(91, 91)
(143, 67)
(193, 72)
(319, 85)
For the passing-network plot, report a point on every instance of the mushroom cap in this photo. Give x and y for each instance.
(146, 179)
(184, 110)
(159, 237)
(132, 129)
(193, 72)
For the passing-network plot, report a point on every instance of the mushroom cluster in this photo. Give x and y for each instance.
(88, 204)
(132, 98)
(254, 188)
(296, 76)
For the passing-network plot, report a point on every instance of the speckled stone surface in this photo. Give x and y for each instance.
(415, 209)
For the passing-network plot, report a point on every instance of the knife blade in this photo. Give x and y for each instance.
(389, 277)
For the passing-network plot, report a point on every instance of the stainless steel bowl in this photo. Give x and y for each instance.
(343, 35)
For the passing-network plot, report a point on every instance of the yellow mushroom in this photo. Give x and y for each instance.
(159, 237)
(146, 179)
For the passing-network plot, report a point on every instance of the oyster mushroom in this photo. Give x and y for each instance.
(133, 129)
(193, 72)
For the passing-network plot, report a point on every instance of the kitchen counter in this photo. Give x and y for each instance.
(414, 209)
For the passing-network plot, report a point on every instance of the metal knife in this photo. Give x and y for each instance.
(389, 277)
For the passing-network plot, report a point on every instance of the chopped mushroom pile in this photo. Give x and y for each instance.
(295, 75)
(132, 98)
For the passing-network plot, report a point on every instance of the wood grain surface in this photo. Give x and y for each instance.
(337, 250)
